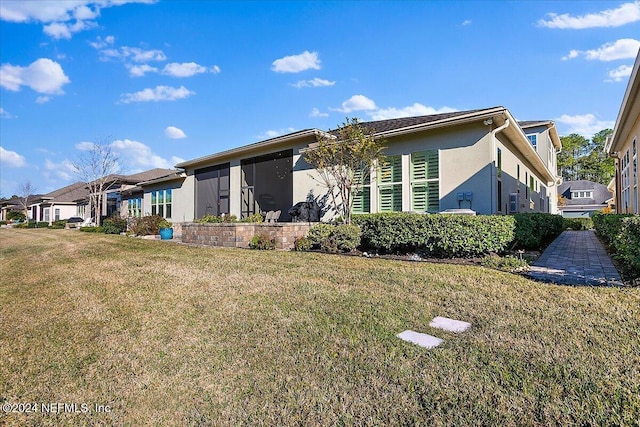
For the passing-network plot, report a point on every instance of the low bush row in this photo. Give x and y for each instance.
(621, 233)
(578, 223)
(435, 235)
(335, 237)
(536, 230)
(213, 219)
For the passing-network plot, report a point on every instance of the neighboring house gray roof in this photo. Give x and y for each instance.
(534, 123)
(600, 193)
(67, 194)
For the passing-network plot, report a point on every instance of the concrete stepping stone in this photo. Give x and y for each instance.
(423, 340)
(450, 325)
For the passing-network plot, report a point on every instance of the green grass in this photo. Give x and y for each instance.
(167, 334)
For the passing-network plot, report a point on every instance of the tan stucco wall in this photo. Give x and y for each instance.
(634, 197)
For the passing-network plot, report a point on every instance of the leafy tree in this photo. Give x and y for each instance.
(344, 163)
(573, 147)
(586, 159)
(96, 167)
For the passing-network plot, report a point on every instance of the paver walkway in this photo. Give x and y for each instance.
(576, 258)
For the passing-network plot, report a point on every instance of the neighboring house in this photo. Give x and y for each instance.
(58, 204)
(12, 204)
(583, 198)
(623, 146)
(479, 159)
(119, 192)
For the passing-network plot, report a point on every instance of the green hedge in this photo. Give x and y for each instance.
(115, 225)
(436, 235)
(578, 223)
(335, 237)
(608, 226)
(536, 230)
(622, 234)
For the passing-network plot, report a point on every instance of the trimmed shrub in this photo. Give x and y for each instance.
(536, 230)
(627, 246)
(59, 224)
(262, 241)
(435, 235)
(578, 223)
(335, 237)
(147, 225)
(213, 219)
(16, 216)
(302, 244)
(3, 222)
(343, 238)
(621, 233)
(115, 225)
(257, 218)
(319, 233)
(92, 229)
(608, 226)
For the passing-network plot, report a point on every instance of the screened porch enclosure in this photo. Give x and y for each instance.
(212, 190)
(267, 184)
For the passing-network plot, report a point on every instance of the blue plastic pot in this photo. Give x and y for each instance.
(166, 233)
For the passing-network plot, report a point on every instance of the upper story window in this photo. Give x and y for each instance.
(587, 194)
(533, 139)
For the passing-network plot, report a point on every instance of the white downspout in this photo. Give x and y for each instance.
(493, 169)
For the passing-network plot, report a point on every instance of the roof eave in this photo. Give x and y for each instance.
(251, 147)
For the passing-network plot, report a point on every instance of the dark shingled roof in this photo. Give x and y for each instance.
(600, 192)
(533, 123)
(404, 122)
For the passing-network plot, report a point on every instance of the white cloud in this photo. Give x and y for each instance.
(64, 17)
(174, 133)
(6, 115)
(141, 70)
(63, 170)
(134, 54)
(296, 63)
(159, 93)
(274, 133)
(620, 73)
(625, 14)
(316, 113)
(313, 83)
(11, 159)
(416, 109)
(43, 76)
(187, 69)
(586, 125)
(356, 103)
(139, 55)
(85, 146)
(101, 43)
(620, 49)
(43, 99)
(466, 22)
(62, 30)
(138, 156)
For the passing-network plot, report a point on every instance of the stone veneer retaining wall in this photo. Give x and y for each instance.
(239, 235)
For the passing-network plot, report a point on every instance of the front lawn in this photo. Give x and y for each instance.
(166, 334)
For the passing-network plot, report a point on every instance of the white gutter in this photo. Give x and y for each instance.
(494, 157)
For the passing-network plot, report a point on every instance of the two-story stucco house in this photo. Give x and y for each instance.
(623, 146)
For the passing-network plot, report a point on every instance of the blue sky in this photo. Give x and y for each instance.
(169, 81)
